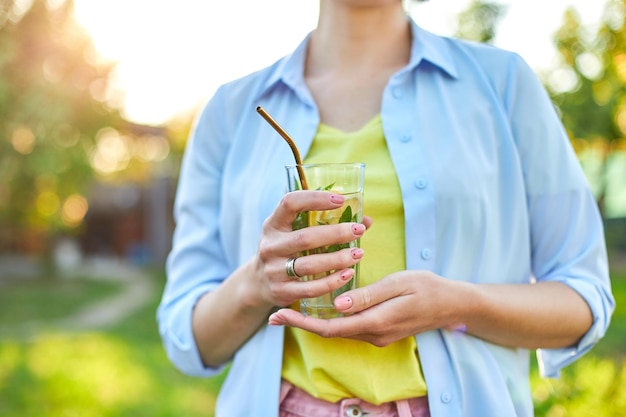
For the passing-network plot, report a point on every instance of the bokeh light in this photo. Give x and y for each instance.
(111, 153)
(619, 61)
(563, 80)
(48, 203)
(74, 210)
(151, 148)
(23, 140)
(590, 65)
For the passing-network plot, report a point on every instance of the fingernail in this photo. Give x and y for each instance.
(461, 328)
(276, 320)
(343, 303)
(347, 274)
(358, 229)
(356, 253)
(337, 198)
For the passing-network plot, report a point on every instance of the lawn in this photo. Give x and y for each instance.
(118, 371)
(122, 370)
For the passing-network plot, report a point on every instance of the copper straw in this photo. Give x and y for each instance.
(292, 144)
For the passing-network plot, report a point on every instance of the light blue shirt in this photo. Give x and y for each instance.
(492, 193)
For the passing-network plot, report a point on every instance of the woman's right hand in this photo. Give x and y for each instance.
(224, 318)
(279, 243)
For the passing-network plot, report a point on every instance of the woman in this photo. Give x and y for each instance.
(483, 239)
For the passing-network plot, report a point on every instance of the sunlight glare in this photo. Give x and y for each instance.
(173, 56)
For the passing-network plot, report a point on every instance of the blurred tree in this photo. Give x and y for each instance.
(480, 20)
(53, 103)
(589, 88)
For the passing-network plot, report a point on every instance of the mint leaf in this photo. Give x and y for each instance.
(346, 216)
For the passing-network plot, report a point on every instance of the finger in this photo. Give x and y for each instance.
(285, 317)
(274, 241)
(335, 327)
(324, 237)
(363, 298)
(293, 318)
(295, 202)
(367, 221)
(292, 290)
(319, 263)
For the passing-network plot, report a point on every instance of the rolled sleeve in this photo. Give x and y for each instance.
(568, 247)
(601, 303)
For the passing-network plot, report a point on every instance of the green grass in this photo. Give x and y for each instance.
(123, 371)
(120, 371)
(26, 300)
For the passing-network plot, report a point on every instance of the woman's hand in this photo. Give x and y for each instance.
(400, 305)
(279, 243)
(540, 315)
(223, 319)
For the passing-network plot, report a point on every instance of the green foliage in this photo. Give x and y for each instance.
(478, 23)
(589, 90)
(590, 387)
(52, 92)
(591, 62)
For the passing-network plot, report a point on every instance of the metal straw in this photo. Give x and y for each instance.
(292, 144)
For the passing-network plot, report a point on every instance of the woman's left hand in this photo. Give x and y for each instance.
(399, 305)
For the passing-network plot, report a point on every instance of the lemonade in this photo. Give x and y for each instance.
(322, 307)
(344, 179)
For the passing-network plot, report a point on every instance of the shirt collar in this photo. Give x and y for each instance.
(290, 71)
(436, 50)
(426, 46)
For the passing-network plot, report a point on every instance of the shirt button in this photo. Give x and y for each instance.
(426, 254)
(397, 92)
(421, 183)
(446, 397)
(354, 411)
(405, 138)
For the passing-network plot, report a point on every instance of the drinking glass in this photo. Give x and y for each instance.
(339, 178)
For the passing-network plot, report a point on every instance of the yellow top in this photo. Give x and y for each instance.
(332, 369)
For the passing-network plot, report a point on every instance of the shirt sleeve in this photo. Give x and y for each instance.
(196, 263)
(566, 228)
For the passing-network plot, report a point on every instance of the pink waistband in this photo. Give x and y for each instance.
(298, 403)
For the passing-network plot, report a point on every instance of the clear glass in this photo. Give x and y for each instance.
(341, 178)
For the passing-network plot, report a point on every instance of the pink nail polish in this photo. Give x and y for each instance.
(358, 229)
(461, 328)
(356, 253)
(337, 198)
(347, 274)
(343, 303)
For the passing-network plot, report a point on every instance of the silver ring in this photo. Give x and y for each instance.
(289, 268)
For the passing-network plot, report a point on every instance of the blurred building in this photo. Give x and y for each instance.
(132, 219)
(125, 214)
